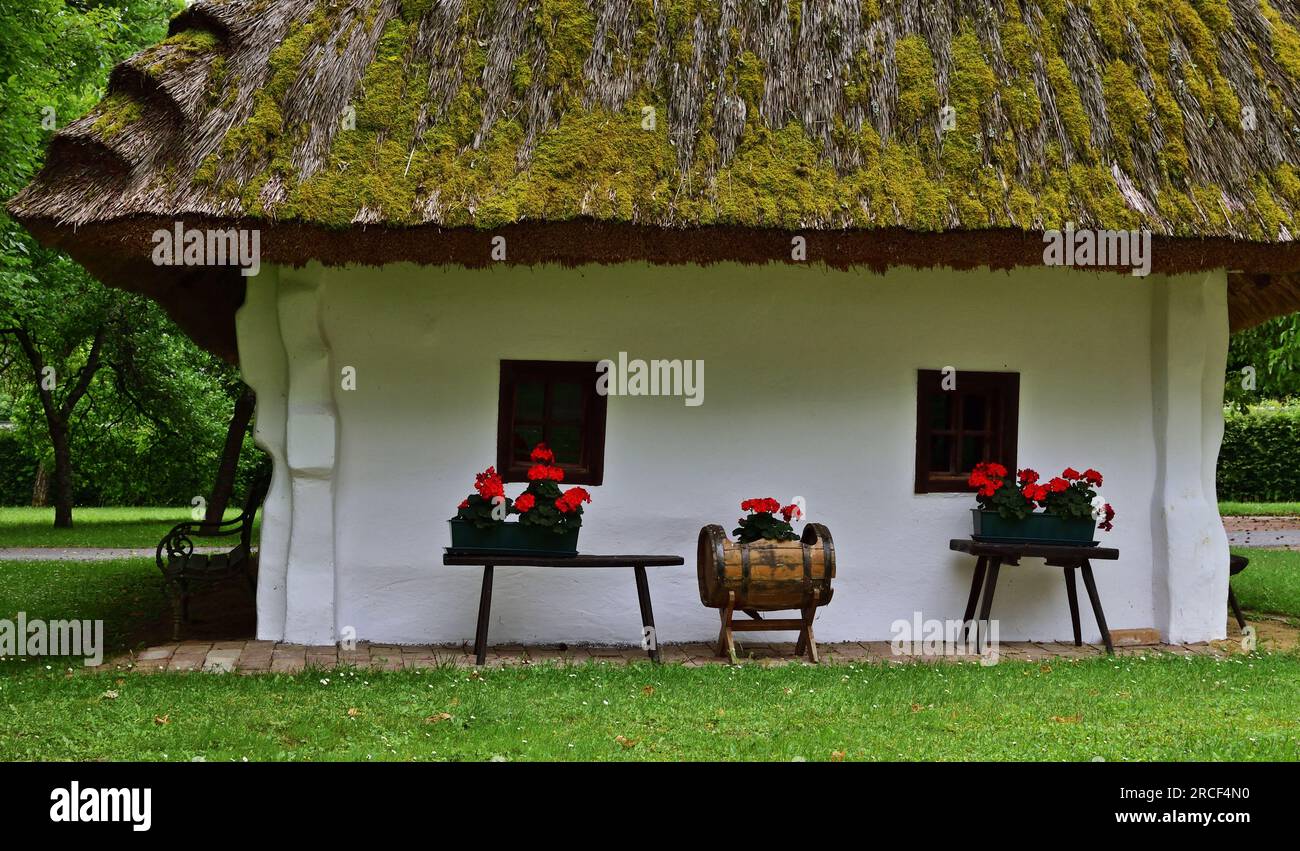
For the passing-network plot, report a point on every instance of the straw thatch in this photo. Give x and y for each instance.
(888, 131)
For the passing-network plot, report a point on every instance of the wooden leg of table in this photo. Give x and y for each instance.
(977, 582)
(1073, 593)
(1096, 606)
(1236, 610)
(484, 612)
(806, 639)
(647, 613)
(990, 585)
(726, 643)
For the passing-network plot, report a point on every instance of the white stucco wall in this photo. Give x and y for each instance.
(809, 389)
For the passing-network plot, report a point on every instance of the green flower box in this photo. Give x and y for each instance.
(514, 539)
(1038, 528)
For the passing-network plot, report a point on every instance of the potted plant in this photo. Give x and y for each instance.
(1072, 508)
(549, 519)
(768, 566)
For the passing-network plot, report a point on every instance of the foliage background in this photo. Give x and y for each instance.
(151, 427)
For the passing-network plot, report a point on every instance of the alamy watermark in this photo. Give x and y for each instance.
(637, 377)
(92, 804)
(36, 637)
(182, 246)
(1088, 247)
(931, 637)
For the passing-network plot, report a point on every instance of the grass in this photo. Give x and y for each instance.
(1117, 709)
(1270, 583)
(1258, 509)
(92, 527)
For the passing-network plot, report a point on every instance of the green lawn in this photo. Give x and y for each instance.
(1270, 583)
(92, 527)
(1119, 709)
(1252, 509)
(1116, 709)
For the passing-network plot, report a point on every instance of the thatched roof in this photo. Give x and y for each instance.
(888, 132)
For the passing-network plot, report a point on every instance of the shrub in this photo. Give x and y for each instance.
(1260, 458)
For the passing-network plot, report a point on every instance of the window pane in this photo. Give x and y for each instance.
(941, 411)
(526, 437)
(566, 443)
(975, 412)
(530, 399)
(941, 453)
(566, 401)
(973, 451)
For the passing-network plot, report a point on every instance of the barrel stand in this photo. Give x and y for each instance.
(803, 623)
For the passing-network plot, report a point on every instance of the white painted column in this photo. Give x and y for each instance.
(310, 454)
(265, 369)
(1189, 338)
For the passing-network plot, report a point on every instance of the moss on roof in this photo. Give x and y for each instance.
(1114, 113)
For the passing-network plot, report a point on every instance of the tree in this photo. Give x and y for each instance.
(1264, 362)
(54, 60)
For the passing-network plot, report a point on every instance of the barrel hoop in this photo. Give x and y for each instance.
(807, 567)
(744, 571)
(719, 556)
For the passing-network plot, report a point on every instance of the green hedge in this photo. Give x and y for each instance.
(1260, 458)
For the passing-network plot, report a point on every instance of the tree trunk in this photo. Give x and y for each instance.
(41, 487)
(229, 466)
(62, 476)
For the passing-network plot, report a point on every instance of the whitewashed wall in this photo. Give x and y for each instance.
(809, 389)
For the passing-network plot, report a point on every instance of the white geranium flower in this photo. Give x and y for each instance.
(1099, 507)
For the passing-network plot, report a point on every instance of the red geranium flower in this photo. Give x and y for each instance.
(1092, 477)
(524, 503)
(464, 503)
(1106, 525)
(489, 484)
(541, 454)
(1058, 484)
(1071, 473)
(1028, 476)
(791, 510)
(543, 473)
(572, 499)
(762, 505)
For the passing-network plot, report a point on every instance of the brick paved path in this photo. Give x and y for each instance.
(268, 656)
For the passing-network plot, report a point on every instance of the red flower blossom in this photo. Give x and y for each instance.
(1106, 525)
(1057, 485)
(791, 510)
(761, 505)
(1035, 493)
(1092, 477)
(464, 503)
(545, 473)
(489, 484)
(525, 503)
(1071, 473)
(541, 454)
(1028, 476)
(572, 499)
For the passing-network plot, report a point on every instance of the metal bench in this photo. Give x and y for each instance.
(183, 569)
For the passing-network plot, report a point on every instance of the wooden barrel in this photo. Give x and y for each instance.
(766, 575)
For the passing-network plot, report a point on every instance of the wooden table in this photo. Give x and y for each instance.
(991, 557)
(637, 563)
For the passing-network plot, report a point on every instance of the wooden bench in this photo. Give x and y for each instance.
(649, 642)
(183, 569)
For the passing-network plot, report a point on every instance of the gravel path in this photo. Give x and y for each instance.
(83, 553)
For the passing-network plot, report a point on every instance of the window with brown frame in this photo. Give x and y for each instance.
(974, 421)
(552, 402)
